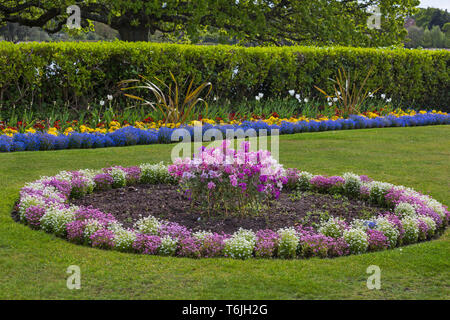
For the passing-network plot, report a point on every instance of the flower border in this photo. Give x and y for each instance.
(410, 217)
(139, 135)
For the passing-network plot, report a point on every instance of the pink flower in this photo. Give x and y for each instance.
(211, 185)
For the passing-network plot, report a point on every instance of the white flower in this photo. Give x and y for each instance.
(292, 92)
(306, 100)
(383, 96)
(102, 103)
(261, 95)
(110, 97)
(370, 94)
(339, 93)
(257, 98)
(389, 100)
(335, 99)
(297, 96)
(330, 103)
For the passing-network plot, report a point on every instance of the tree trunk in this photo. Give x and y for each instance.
(133, 34)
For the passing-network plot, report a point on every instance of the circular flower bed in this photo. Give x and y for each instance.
(408, 216)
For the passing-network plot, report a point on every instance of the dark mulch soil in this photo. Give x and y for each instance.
(164, 201)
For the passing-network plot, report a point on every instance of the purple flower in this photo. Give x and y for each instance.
(33, 215)
(266, 243)
(147, 244)
(189, 247)
(103, 239)
(75, 231)
(213, 245)
(377, 240)
(211, 185)
(103, 181)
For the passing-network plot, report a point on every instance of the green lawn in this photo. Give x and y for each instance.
(33, 264)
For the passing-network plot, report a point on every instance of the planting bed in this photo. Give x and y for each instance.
(132, 203)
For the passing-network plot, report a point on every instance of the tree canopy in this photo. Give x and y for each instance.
(278, 22)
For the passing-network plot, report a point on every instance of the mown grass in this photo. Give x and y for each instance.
(33, 264)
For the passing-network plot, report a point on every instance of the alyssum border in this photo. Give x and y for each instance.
(410, 217)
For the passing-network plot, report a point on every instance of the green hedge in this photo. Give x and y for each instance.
(79, 73)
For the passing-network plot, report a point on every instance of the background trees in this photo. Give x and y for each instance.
(431, 29)
(279, 22)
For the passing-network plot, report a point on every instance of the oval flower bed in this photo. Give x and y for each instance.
(408, 216)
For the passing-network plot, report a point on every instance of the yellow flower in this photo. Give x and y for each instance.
(53, 131)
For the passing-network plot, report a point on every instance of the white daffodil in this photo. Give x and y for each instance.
(102, 103)
(297, 96)
(292, 92)
(257, 98)
(261, 95)
(306, 100)
(110, 97)
(383, 96)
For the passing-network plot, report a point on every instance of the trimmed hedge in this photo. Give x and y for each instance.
(78, 73)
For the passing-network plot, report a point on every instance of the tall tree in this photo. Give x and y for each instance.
(278, 22)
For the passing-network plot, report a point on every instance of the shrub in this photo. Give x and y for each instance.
(414, 77)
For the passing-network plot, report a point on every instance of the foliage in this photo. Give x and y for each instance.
(78, 75)
(277, 21)
(349, 95)
(173, 106)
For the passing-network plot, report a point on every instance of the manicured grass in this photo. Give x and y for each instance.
(33, 264)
